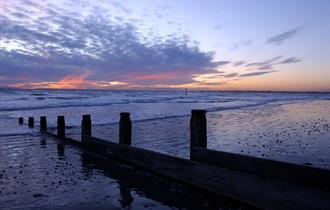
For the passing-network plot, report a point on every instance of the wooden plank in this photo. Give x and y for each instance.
(153, 186)
(254, 190)
(261, 192)
(96, 145)
(65, 139)
(282, 171)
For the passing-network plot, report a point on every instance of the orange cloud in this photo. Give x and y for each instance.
(72, 82)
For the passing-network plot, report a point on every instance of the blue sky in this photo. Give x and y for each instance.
(213, 44)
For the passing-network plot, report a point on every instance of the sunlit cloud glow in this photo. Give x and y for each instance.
(83, 44)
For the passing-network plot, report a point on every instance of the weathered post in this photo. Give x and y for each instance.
(43, 123)
(198, 135)
(125, 128)
(86, 126)
(60, 126)
(31, 122)
(20, 120)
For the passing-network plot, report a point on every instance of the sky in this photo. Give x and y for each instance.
(277, 45)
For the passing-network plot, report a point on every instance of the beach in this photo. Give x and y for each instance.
(295, 132)
(39, 172)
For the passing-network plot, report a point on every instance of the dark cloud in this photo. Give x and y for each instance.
(251, 74)
(280, 38)
(238, 63)
(269, 64)
(221, 63)
(111, 50)
(290, 60)
(266, 67)
(264, 63)
(230, 75)
(214, 83)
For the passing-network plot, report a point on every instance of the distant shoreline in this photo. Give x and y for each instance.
(171, 90)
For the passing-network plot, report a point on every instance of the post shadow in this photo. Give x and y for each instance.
(60, 151)
(126, 199)
(43, 142)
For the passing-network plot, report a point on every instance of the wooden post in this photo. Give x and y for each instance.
(21, 120)
(86, 126)
(43, 123)
(198, 135)
(60, 126)
(125, 128)
(31, 122)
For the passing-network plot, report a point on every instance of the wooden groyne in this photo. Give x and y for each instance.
(260, 182)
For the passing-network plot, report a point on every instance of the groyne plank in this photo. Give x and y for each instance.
(262, 192)
(282, 171)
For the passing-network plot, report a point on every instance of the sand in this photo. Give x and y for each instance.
(295, 132)
(37, 172)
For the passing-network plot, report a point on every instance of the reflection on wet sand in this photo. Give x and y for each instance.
(135, 184)
(43, 142)
(60, 151)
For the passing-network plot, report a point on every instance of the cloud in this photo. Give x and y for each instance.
(280, 38)
(270, 63)
(246, 42)
(222, 63)
(236, 45)
(291, 60)
(51, 42)
(266, 67)
(230, 75)
(72, 82)
(120, 6)
(238, 63)
(264, 63)
(251, 74)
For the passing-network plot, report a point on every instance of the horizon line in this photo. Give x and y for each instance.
(169, 89)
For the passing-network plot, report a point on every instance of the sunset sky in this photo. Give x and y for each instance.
(152, 44)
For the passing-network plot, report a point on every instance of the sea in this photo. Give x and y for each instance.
(37, 172)
(104, 105)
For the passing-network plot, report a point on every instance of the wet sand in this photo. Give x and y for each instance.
(38, 172)
(294, 132)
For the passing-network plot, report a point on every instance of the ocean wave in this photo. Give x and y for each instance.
(45, 100)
